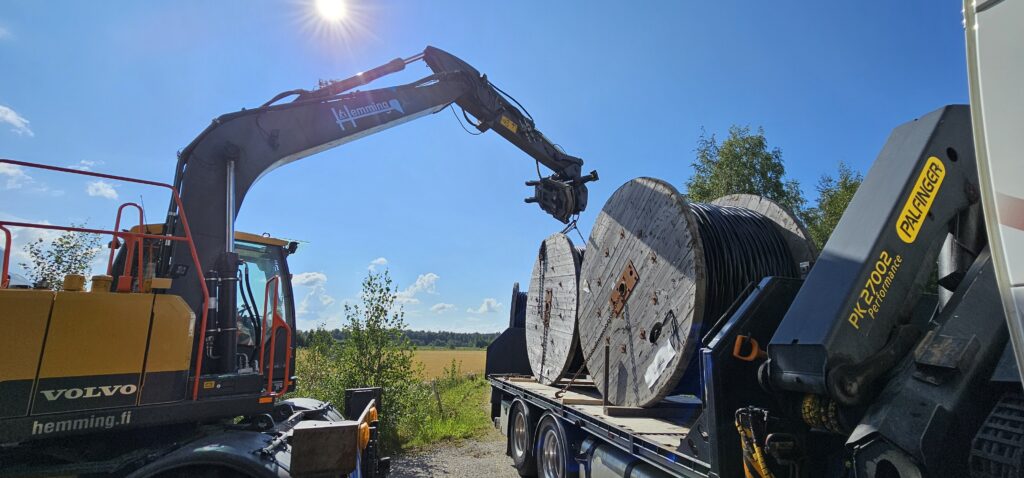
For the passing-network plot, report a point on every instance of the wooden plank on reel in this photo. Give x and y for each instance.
(552, 341)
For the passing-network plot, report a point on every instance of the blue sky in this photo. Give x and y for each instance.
(628, 86)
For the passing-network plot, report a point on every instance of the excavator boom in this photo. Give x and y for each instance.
(216, 170)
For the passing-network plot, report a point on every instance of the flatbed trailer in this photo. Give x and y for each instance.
(567, 429)
(609, 439)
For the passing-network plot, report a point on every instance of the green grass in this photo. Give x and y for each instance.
(464, 398)
(434, 347)
(462, 411)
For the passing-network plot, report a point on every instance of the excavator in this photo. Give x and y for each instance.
(173, 363)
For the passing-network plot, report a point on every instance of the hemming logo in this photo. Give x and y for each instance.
(350, 115)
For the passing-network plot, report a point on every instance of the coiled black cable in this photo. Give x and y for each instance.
(517, 311)
(740, 246)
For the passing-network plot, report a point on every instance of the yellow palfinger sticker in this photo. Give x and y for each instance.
(507, 123)
(920, 200)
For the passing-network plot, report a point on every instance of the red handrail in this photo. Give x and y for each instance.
(5, 279)
(124, 280)
(187, 238)
(275, 323)
(263, 320)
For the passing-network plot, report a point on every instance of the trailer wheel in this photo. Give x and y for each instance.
(552, 450)
(520, 431)
(201, 471)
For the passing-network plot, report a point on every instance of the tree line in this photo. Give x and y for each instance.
(418, 338)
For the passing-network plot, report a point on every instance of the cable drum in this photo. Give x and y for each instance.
(660, 270)
(517, 308)
(552, 339)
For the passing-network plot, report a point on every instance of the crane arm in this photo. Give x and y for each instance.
(216, 170)
(495, 111)
(562, 194)
(262, 139)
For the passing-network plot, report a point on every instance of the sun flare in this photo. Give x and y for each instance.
(335, 23)
(332, 10)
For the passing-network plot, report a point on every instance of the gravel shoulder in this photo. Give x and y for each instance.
(480, 456)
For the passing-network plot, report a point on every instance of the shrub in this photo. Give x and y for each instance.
(375, 353)
(70, 252)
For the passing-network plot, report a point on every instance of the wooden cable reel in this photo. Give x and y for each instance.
(552, 340)
(517, 308)
(658, 266)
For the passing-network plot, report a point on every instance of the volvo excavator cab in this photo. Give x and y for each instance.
(264, 319)
(264, 276)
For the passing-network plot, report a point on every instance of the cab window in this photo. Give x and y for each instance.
(261, 262)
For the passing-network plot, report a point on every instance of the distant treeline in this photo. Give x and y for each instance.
(422, 338)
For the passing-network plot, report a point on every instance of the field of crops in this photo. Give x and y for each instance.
(435, 360)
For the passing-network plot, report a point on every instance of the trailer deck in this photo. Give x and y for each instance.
(660, 441)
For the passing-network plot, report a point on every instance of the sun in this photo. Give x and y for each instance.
(332, 10)
(334, 22)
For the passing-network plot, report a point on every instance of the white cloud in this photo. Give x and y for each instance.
(441, 307)
(4, 33)
(424, 283)
(489, 305)
(19, 125)
(316, 300)
(380, 261)
(101, 189)
(16, 177)
(83, 165)
(309, 279)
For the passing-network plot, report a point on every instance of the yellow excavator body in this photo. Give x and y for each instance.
(73, 350)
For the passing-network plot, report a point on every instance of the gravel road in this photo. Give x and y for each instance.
(481, 456)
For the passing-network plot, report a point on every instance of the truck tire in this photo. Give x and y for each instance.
(552, 450)
(520, 433)
(202, 472)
